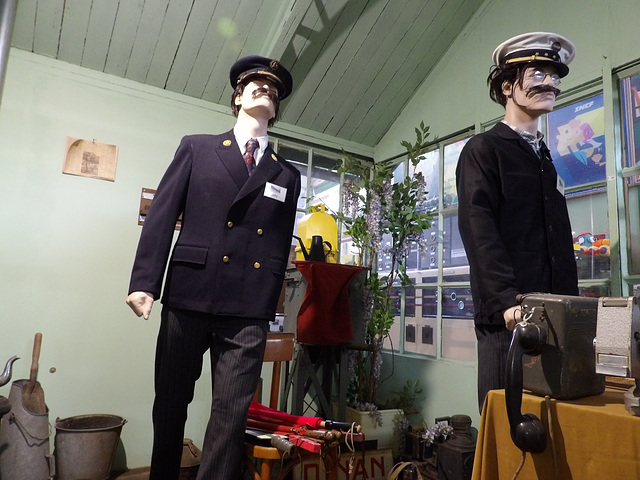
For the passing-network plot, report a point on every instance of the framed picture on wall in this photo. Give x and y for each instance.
(575, 137)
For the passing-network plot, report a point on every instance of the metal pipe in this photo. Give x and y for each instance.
(7, 19)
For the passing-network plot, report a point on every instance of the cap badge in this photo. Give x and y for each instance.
(274, 65)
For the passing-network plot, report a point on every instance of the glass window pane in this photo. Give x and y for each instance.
(299, 215)
(325, 182)
(398, 173)
(425, 324)
(576, 141)
(457, 303)
(450, 161)
(428, 259)
(429, 167)
(429, 304)
(384, 258)
(427, 336)
(458, 339)
(393, 340)
(590, 226)
(413, 255)
(596, 291)
(454, 257)
(349, 253)
(632, 204)
(299, 158)
(630, 98)
(458, 333)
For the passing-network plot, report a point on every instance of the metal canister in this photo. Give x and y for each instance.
(318, 223)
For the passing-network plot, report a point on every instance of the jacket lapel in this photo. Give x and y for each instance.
(268, 168)
(506, 132)
(229, 154)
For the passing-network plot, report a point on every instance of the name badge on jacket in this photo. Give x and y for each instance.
(275, 191)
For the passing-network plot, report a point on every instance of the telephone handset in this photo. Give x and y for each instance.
(529, 337)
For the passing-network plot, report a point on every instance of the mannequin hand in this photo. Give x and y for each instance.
(140, 303)
(512, 316)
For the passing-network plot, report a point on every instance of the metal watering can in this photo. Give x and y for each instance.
(6, 374)
(5, 406)
(25, 452)
(316, 250)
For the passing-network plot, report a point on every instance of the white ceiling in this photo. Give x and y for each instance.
(355, 63)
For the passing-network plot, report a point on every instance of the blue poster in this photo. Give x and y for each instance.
(576, 141)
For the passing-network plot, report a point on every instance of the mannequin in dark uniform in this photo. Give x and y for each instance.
(224, 274)
(513, 217)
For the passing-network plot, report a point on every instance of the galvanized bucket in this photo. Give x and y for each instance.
(85, 446)
(24, 441)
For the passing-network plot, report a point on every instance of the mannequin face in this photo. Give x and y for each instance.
(259, 98)
(537, 93)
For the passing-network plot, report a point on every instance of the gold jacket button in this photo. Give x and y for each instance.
(256, 265)
(229, 224)
(225, 259)
(259, 232)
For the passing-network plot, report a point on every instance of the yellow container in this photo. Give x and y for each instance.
(318, 222)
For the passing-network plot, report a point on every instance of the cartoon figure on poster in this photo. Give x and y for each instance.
(577, 143)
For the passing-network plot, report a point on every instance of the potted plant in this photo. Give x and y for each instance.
(382, 217)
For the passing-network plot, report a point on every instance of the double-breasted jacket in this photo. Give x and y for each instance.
(513, 221)
(233, 246)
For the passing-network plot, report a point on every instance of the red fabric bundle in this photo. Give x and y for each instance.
(325, 315)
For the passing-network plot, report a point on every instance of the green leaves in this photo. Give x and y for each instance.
(383, 218)
(406, 397)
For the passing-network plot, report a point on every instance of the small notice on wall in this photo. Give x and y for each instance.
(88, 158)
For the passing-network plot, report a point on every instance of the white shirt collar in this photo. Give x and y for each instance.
(242, 138)
(531, 138)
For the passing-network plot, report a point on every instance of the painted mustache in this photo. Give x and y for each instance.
(539, 89)
(265, 91)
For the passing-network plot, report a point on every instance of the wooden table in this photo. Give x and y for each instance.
(594, 438)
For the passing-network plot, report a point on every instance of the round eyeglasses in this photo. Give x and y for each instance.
(538, 76)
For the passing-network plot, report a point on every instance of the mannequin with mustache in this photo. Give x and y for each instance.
(256, 88)
(512, 214)
(224, 272)
(526, 100)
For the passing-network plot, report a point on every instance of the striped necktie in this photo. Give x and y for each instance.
(249, 160)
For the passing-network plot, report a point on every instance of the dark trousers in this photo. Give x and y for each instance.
(493, 349)
(236, 348)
